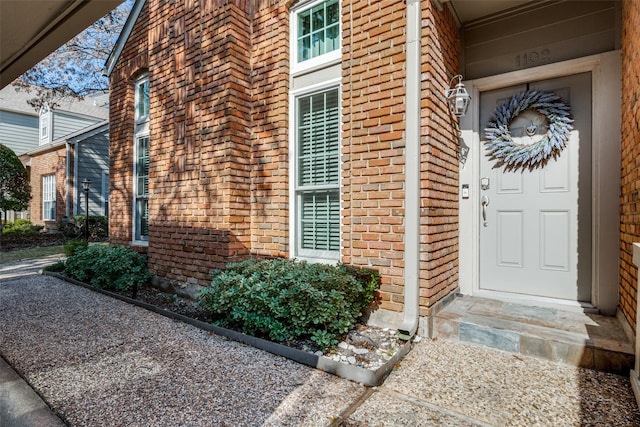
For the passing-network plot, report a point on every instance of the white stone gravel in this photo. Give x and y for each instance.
(444, 382)
(101, 362)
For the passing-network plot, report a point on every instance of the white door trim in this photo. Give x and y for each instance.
(606, 100)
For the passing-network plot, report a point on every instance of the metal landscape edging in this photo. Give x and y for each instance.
(360, 375)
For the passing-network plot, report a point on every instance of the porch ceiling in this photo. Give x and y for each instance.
(30, 30)
(471, 10)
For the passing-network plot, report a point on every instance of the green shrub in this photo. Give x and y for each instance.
(21, 227)
(98, 225)
(68, 227)
(108, 267)
(286, 299)
(58, 267)
(72, 246)
(74, 227)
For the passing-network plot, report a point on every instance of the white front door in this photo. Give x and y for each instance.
(535, 230)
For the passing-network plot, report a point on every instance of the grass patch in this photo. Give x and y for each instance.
(30, 253)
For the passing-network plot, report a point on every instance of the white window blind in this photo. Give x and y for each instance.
(318, 160)
(142, 159)
(142, 188)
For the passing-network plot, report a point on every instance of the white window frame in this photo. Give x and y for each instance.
(141, 131)
(49, 197)
(44, 125)
(320, 61)
(295, 194)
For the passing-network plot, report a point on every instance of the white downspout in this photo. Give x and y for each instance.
(412, 173)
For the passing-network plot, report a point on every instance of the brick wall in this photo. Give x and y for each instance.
(219, 181)
(440, 164)
(373, 102)
(48, 163)
(373, 114)
(197, 55)
(630, 201)
(270, 129)
(132, 62)
(199, 201)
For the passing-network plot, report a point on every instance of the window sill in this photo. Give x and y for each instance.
(144, 243)
(301, 70)
(317, 260)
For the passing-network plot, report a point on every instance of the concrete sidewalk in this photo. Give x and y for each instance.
(26, 267)
(20, 406)
(102, 362)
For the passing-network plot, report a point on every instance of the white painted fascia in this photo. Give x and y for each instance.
(111, 61)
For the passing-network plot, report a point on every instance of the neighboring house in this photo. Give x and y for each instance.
(18, 120)
(73, 144)
(18, 127)
(320, 130)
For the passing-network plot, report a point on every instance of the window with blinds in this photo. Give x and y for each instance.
(49, 198)
(318, 174)
(142, 188)
(142, 159)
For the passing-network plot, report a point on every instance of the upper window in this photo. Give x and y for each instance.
(142, 99)
(141, 161)
(49, 198)
(316, 34)
(45, 120)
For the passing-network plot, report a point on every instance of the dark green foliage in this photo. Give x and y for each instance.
(98, 225)
(15, 191)
(74, 227)
(68, 227)
(287, 299)
(72, 246)
(108, 267)
(58, 267)
(21, 227)
(16, 241)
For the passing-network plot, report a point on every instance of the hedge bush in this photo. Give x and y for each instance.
(74, 227)
(58, 267)
(21, 227)
(288, 299)
(108, 267)
(72, 246)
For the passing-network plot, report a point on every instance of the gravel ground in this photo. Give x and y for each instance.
(101, 362)
(445, 383)
(366, 346)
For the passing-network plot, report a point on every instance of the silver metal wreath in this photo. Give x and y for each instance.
(501, 146)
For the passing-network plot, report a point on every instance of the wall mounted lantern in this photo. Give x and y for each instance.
(86, 183)
(457, 97)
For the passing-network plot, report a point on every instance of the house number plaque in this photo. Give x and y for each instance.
(532, 58)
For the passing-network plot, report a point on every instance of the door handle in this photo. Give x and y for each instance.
(485, 203)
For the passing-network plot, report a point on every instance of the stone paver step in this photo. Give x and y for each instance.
(579, 339)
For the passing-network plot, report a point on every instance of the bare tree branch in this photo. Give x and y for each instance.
(75, 69)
